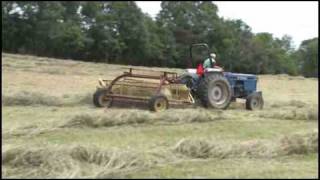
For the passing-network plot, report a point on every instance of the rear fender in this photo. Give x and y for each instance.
(192, 71)
(212, 72)
(216, 69)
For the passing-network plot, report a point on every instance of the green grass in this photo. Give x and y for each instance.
(45, 98)
(284, 167)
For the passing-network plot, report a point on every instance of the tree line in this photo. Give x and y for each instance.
(118, 32)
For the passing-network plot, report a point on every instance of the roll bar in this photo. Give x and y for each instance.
(203, 45)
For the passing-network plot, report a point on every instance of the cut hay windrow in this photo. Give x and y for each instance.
(93, 162)
(299, 144)
(24, 131)
(121, 118)
(25, 98)
(116, 118)
(288, 145)
(293, 103)
(132, 117)
(74, 162)
(307, 113)
(204, 149)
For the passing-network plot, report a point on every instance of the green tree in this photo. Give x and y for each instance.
(155, 48)
(118, 32)
(307, 57)
(18, 21)
(185, 23)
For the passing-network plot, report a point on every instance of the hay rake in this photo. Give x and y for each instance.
(157, 88)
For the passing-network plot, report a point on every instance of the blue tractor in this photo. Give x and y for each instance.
(217, 89)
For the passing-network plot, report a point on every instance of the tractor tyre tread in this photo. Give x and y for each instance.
(204, 88)
(249, 99)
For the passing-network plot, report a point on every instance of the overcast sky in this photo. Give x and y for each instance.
(299, 19)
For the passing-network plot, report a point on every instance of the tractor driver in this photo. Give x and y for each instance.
(207, 64)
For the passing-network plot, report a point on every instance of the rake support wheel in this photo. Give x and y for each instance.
(158, 103)
(99, 99)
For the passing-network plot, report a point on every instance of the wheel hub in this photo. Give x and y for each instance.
(217, 94)
(160, 104)
(255, 103)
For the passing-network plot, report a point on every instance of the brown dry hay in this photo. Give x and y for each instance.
(92, 162)
(299, 144)
(116, 118)
(193, 148)
(294, 103)
(295, 144)
(26, 131)
(307, 113)
(205, 149)
(25, 98)
(36, 162)
(71, 162)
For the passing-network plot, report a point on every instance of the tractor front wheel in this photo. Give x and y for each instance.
(254, 101)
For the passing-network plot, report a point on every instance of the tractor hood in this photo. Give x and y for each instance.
(239, 76)
(194, 71)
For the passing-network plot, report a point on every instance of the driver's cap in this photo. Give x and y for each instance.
(213, 55)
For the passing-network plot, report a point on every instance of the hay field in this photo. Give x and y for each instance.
(50, 129)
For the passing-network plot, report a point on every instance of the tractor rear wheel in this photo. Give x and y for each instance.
(214, 91)
(254, 101)
(100, 100)
(158, 103)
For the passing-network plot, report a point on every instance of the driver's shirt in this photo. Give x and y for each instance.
(206, 63)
